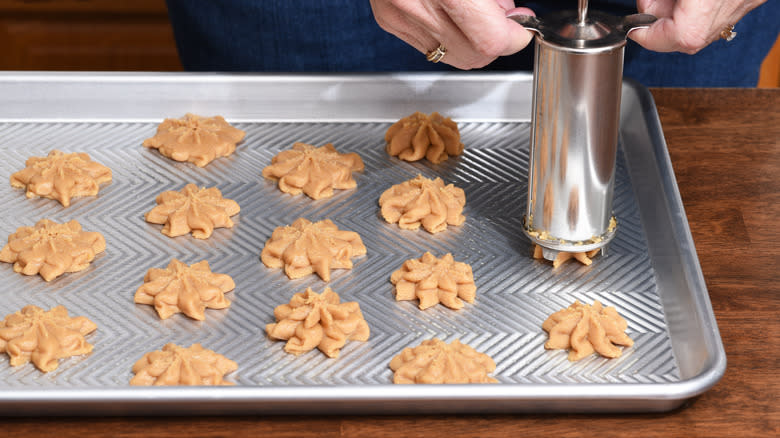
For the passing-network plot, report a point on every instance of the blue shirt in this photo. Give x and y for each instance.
(342, 36)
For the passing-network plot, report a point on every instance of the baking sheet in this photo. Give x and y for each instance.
(650, 273)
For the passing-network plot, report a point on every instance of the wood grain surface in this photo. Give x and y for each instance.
(86, 35)
(725, 148)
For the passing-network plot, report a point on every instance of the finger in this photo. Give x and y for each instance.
(426, 25)
(665, 35)
(659, 8)
(433, 26)
(506, 4)
(686, 27)
(394, 21)
(488, 29)
(661, 36)
(424, 31)
(460, 53)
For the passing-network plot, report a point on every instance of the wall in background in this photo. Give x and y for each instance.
(770, 69)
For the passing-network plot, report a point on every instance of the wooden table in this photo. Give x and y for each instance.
(725, 147)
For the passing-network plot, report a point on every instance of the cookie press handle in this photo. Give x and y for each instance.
(637, 21)
(623, 27)
(529, 22)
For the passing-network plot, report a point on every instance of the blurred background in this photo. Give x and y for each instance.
(123, 36)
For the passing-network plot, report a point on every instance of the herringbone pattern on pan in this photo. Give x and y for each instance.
(515, 293)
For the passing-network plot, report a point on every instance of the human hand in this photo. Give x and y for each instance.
(474, 32)
(688, 25)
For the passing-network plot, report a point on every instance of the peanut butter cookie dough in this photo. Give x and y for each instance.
(582, 257)
(304, 247)
(313, 320)
(313, 171)
(199, 140)
(44, 336)
(583, 329)
(184, 289)
(61, 176)
(51, 249)
(422, 201)
(421, 136)
(435, 280)
(179, 366)
(434, 361)
(192, 210)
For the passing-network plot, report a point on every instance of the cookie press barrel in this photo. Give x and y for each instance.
(578, 72)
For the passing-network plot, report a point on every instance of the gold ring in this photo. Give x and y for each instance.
(728, 33)
(436, 55)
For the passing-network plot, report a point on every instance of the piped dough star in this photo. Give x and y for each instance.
(44, 336)
(313, 171)
(192, 210)
(199, 140)
(421, 136)
(584, 329)
(311, 320)
(51, 249)
(435, 280)
(184, 289)
(61, 176)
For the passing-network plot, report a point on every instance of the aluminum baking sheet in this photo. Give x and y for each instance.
(651, 273)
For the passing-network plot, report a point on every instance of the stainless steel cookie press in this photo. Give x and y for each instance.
(578, 72)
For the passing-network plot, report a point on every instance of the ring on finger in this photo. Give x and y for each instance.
(437, 54)
(728, 33)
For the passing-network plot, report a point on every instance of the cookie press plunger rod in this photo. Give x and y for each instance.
(578, 72)
(582, 12)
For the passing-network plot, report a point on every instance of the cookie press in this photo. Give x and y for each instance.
(578, 72)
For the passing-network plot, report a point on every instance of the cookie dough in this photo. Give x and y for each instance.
(313, 171)
(582, 257)
(434, 361)
(421, 136)
(192, 210)
(179, 366)
(435, 280)
(199, 140)
(422, 201)
(61, 176)
(184, 289)
(313, 320)
(304, 247)
(583, 329)
(51, 249)
(44, 336)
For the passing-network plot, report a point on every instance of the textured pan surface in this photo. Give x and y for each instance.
(515, 293)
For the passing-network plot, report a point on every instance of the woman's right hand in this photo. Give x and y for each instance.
(473, 32)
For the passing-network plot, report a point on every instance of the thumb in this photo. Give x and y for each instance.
(519, 37)
(661, 36)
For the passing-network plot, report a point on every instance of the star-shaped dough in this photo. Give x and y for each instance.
(419, 135)
(61, 176)
(44, 336)
(179, 366)
(433, 280)
(583, 329)
(313, 320)
(304, 247)
(434, 361)
(199, 140)
(582, 257)
(422, 201)
(193, 210)
(51, 249)
(186, 289)
(313, 171)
